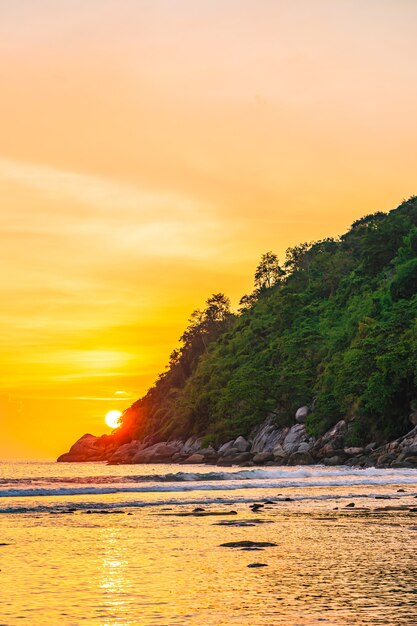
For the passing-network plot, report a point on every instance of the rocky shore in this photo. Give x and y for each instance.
(268, 445)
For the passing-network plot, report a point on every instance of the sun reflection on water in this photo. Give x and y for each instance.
(113, 571)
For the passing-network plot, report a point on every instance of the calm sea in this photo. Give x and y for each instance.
(120, 545)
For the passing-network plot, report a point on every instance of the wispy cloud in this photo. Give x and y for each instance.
(110, 215)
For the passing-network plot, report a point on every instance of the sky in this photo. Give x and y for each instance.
(151, 151)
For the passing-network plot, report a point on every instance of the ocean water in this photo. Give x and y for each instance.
(122, 545)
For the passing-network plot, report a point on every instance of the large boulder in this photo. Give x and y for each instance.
(158, 453)
(301, 414)
(267, 437)
(191, 445)
(263, 457)
(241, 444)
(194, 459)
(225, 448)
(90, 448)
(332, 440)
(296, 435)
(301, 458)
(126, 452)
(234, 459)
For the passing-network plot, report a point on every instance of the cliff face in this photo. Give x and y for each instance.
(332, 330)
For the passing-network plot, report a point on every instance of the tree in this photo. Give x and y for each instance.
(217, 309)
(269, 272)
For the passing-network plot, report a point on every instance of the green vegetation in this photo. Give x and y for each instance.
(335, 327)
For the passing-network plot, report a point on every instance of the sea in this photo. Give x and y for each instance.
(111, 545)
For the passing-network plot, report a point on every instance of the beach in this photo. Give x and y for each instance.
(112, 545)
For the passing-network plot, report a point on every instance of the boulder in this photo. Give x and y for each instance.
(267, 437)
(241, 444)
(178, 457)
(279, 452)
(385, 459)
(234, 459)
(413, 418)
(208, 452)
(125, 453)
(90, 448)
(411, 450)
(194, 459)
(301, 458)
(191, 445)
(295, 436)
(353, 451)
(301, 414)
(334, 460)
(158, 453)
(262, 457)
(224, 449)
(335, 437)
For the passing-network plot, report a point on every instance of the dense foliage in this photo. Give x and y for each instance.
(335, 328)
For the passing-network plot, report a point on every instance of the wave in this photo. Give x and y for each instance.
(329, 480)
(216, 476)
(206, 500)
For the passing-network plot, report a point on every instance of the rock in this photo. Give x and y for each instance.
(209, 454)
(262, 457)
(334, 460)
(410, 461)
(225, 448)
(90, 448)
(353, 451)
(241, 444)
(234, 459)
(385, 459)
(191, 445)
(280, 460)
(257, 565)
(178, 457)
(126, 452)
(295, 436)
(279, 452)
(332, 440)
(301, 458)
(248, 544)
(370, 447)
(301, 414)
(413, 418)
(267, 436)
(194, 459)
(350, 505)
(158, 453)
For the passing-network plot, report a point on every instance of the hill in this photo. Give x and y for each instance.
(333, 328)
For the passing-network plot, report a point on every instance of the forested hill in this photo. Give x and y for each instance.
(333, 327)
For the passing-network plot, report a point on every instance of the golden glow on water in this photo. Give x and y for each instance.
(331, 566)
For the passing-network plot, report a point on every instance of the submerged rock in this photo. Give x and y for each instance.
(248, 544)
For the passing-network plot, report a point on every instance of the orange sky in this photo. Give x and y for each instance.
(151, 151)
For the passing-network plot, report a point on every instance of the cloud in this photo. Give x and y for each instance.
(113, 217)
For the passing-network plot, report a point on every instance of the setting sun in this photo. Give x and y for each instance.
(112, 419)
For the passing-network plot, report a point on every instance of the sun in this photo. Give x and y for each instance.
(112, 419)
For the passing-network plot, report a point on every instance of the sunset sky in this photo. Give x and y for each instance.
(151, 151)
